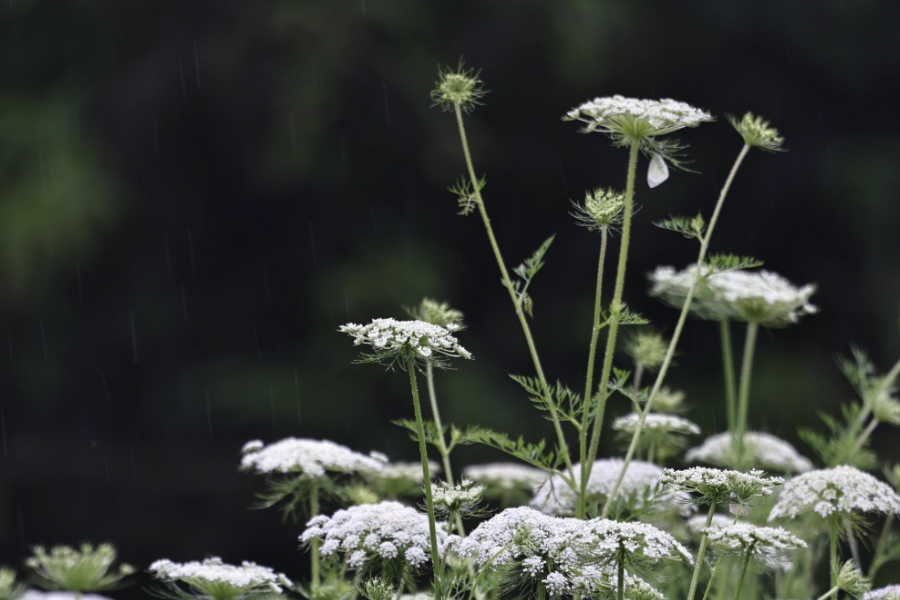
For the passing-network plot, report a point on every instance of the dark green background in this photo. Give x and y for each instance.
(195, 195)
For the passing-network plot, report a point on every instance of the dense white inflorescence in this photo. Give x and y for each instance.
(555, 497)
(769, 545)
(890, 592)
(762, 450)
(507, 476)
(385, 531)
(608, 114)
(759, 296)
(392, 336)
(640, 540)
(838, 490)
(455, 498)
(697, 523)
(720, 486)
(212, 571)
(656, 422)
(312, 458)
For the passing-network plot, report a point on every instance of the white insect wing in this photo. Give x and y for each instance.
(657, 172)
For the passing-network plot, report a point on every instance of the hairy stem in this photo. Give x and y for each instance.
(737, 593)
(589, 378)
(695, 579)
(728, 364)
(507, 282)
(676, 335)
(615, 309)
(429, 504)
(314, 542)
(744, 390)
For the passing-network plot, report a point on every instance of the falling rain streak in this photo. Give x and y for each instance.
(256, 337)
(297, 392)
(184, 301)
(272, 406)
(312, 242)
(105, 389)
(133, 337)
(3, 431)
(10, 347)
(208, 412)
(196, 64)
(168, 255)
(190, 239)
(181, 74)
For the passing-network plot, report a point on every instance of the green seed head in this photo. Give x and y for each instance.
(457, 88)
(757, 132)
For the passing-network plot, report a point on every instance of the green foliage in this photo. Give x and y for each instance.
(567, 405)
(842, 447)
(720, 263)
(293, 492)
(537, 455)
(689, 228)
(467, 195)
(10, 589)
(526, 272)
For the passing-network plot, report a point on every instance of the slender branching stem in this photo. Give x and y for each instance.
(676, 335)
(615, 309)
(728, 364)
(442, 444)
(486, 568)
(589, 378)
(834, 566)
(744, 390)
(829, 593)
(429, 504)
(507, 282)
(877, 558)
(620, 581)
(712, 576)
(314, 542)
(740, 585)
(883, 386)
(701, 553)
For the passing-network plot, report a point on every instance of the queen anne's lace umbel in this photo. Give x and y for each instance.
(506, 476)
(607, 114)
(311, 458)
(383, 531)
(656, 422)
(249, 577)
(762, 450)
(889, 592)
(768, 545)
(390, 337)
(834, 491)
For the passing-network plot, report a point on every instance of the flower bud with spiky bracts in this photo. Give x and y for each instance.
(458, 87)
(602, 208)
(757, 132)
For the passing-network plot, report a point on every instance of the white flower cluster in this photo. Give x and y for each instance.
(40, 595)
(769, 545)
(395, 337)
(717, 485)
(642, 540)
(311, 458)
(697, 523)
(841, 489)
(663, 116)
(454, 498)
(762, 297)
(555, 497)
(506, 476)
(889, 592)
(400, 472)
(555, 549)
(386, 531)
(656, 422)
(762, 450)
(213, 572)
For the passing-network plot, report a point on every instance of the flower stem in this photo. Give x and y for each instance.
(429, 504)
(615, 309)
(314, 542)
(829, 593)
(442, 444)
(834, 566)
(589, 378)
(712, 577)
(517, 303)
(728, 364)
(676, 335)
(700, 553)
(740, 585)
(744, 390)
(620, 582)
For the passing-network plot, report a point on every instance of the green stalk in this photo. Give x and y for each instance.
(829, 593)
(744, 391)
(695, 579)
(589, 379)
(676, 335)
(620, 583)
(442, 444)
(833, 553)
(507, 282)
(877, 560)
(429, 504)
(486, 567)
(885, 383)
(737, 594)
(712, 577)
(314, 542)
(728, 364)
(614, 309)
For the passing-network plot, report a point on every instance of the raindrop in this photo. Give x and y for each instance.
(21, 525)
(208, 412)
(43, 339)
(312, 243)
(78, 273)
(256, 337)
(133, 337)
(105, 389)
(181, 74)
(196, 64)
(374, 220)
(344, 151)
(461, 268)
(297, 393)
(190, 237)
(387, 110)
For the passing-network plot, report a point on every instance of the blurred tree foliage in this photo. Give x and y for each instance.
(195, 195)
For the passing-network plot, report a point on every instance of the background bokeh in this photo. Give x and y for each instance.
(195, 195)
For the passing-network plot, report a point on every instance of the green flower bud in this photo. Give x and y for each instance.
(602, 208)
(757, 133)
(457, 88)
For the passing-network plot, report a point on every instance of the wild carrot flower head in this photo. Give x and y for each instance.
(214, 579)
(716, 485)
(841, 491)
(889, 592)
(770, 546)
(387, 532)
(83, 569)
(632, 118)
(761, 450)
(656, 422)
(602, 208)
(310, 458)
(640, 542)
(506, 475)
(457, 87)
(760, 297)
(757, 132)
(393, 342)
(460, 499)
(556, 498)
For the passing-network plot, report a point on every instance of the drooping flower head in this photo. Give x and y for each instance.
(770, 546)
(757, 132)
(214, 579)
(841, 491)
(309, 458)
(393, 342)
(384, 533)
(84, 569)
(759, 297)
(761, 450)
